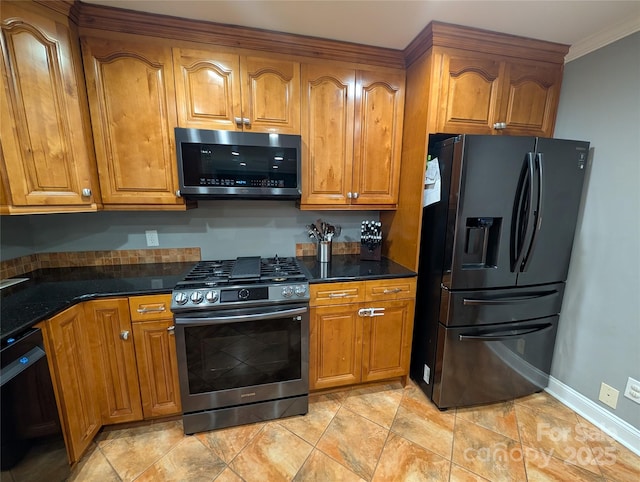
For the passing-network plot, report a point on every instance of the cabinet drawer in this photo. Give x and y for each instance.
(336, 293)
(390, 289)
(152, 307)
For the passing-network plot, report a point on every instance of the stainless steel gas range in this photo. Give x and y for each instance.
(242, 334)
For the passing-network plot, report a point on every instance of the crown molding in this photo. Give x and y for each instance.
(602, 38)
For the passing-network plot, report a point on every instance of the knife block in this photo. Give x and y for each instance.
(370, 254)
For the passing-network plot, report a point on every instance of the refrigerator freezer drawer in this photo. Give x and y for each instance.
(488, 364)
(483, 307)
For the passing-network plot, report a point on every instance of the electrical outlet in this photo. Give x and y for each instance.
(632, 391)
(152, 238)
(608, 395)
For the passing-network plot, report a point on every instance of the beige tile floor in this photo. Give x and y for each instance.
(378, 432)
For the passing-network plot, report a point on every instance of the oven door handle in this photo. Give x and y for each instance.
(212, 320)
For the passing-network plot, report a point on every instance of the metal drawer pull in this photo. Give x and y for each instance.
(124, 335)
(171, 329)
(338, 295)
(152, 310)
(394, 290)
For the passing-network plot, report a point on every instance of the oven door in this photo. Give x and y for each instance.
(232, 357)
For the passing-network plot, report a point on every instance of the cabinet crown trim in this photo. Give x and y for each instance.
(438, 34)
(155, 25)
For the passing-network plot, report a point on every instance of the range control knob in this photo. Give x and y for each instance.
(243, 294)
(180, 298)
(287, 291)
(211, 296)
(196, 297)
(300, 290)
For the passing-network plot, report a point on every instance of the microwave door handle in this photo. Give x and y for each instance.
(214, 320)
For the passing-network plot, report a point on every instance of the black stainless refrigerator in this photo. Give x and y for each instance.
(494, 258)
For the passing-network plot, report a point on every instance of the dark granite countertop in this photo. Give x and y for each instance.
(49, 291)
(349, 267)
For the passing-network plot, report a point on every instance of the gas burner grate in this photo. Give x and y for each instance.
(245, 270)
(210, 270)
(280, 269)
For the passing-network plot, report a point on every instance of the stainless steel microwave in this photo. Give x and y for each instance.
(245, 165)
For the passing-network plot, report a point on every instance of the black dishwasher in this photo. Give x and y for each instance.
(32, 446)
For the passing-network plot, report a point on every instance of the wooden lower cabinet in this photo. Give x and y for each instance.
(68, 350)
(157, 367)
(360, 341)
(114, 357)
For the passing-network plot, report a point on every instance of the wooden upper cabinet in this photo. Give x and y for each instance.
(469, 93)
(132, 101)
(530, 98)
(218, 90)
(377, 142)
(328, 103)
(47, 151)
(489, 94)
(352, 132)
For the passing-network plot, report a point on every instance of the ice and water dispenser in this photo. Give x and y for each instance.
(482, 237)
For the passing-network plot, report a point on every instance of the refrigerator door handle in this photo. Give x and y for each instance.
(537, 213)
(498, 336)
(508, 301)
(521, 220)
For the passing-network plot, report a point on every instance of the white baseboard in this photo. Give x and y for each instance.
(623, 432)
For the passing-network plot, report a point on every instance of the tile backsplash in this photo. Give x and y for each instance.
(24, 264)
(311, 249)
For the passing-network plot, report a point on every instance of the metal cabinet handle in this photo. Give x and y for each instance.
(238, 120)
(355, 195)
(350, 195)
(86, 192)
(178, 194)
(246, 121)
(500, 125)
(392, 291)
(124, 335)
(172, 330)
(160, 309)
(337, 295)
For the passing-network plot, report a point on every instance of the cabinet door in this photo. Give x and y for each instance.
(114, 357)
(386, 349)
(530, 98)
(327, 133)
(379, 111)
(469, 93)
(157, 367)
(46, 146)
(132, 101)
(70, 357)
(270, 95)
(207, 89)
(335, 346)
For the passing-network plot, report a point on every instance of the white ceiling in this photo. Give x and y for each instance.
(583, 24)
